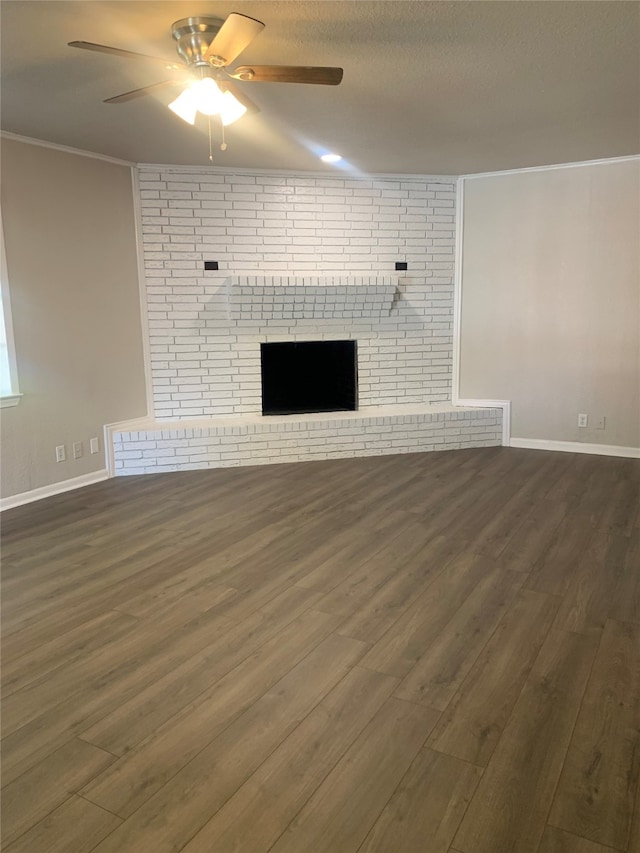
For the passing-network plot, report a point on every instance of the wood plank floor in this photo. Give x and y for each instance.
(429, 653)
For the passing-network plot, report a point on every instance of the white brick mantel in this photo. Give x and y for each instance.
(307, 297)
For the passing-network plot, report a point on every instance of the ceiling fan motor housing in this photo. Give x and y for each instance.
(193, 37)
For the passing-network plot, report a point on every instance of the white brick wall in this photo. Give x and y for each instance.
(205, 363)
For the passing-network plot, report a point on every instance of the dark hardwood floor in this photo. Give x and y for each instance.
(430, 653)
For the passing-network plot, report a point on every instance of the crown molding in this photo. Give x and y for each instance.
(335, 173)
(66, 149)
(606, 161)
(292, 173)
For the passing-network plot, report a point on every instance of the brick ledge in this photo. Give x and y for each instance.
(257, 419)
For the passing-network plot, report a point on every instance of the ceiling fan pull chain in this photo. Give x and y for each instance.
(223, 144)
(210, 142)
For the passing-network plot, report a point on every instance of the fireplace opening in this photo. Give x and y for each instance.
(308, 376)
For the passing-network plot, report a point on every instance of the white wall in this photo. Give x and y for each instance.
(71, 257)
(551, 299)
(208, 363)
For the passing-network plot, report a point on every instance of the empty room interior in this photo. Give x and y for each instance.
(320, 457)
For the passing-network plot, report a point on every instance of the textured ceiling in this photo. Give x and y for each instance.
(429, 87)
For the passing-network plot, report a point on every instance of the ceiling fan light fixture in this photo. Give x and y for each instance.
(207, 95)
(185, 106)
(231, 109)
(208, 48)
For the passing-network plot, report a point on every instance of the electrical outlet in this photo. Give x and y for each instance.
(78, 450)
(583, 420)
(94, 445)
(61, 453)
(601, 422)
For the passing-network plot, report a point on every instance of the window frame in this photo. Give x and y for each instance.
(15, 396)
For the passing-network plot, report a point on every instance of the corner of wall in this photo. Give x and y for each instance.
(142, 290)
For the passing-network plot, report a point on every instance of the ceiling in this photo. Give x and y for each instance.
(428, 88)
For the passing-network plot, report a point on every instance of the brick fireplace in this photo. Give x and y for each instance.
(300, 258)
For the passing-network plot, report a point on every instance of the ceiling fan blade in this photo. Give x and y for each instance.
(128, 54)
(145, 90)
(237, 32)
(237, 93)
(288, 74)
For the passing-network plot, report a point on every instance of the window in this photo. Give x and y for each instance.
(9, 394)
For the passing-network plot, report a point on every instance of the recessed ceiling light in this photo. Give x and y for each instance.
(330, 158)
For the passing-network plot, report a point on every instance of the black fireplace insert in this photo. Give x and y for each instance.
(308, 376)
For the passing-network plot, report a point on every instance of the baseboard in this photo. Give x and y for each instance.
(576, 447)
(505, 405)
(53, 489)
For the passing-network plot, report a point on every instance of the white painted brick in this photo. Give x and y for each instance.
(293, 226)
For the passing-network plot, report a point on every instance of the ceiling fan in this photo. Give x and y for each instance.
(207, 47)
